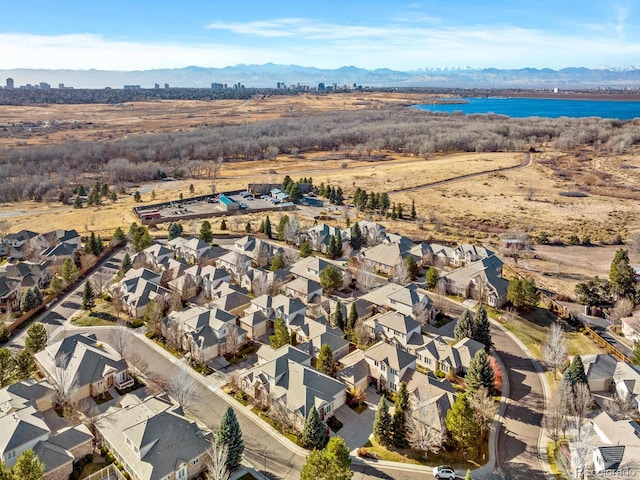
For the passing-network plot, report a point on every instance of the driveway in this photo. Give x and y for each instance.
(356, 428)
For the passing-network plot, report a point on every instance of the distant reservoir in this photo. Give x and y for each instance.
(539, 107)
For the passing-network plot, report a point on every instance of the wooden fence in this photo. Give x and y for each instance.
(606, 345)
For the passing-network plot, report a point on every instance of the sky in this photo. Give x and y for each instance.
(142, 34)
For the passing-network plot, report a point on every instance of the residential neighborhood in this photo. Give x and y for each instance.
(339, 341)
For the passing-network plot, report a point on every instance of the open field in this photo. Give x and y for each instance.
(46, 124)
(533, 198)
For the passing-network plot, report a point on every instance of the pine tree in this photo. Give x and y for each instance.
(126, 265)
(36, 338)
(7, 364)
(462, 425)
(431, 278)
(313, 434)
(577, 373)
(356, 236)
(77, 203)
(412, 267)
(247, 228)
(88, 296)
(137, 197)
(281, 226)
(175, 230)
(325, 362)
(223, 225)
(119, 236)
(399, 211)
(635, 358)
(352, 318)
(267, 227)
(621, 275)
(479, 374)
(277, 263)
(394, 212)
(305, 250)
(280, 335)
(206, 235)
(338, 244)
(28, 300)
(28, 466)
(464, 326)
(69, 271)
(399, 423)
(332, 248)
(332, 463)
(261, 227)
(482, 330)
(191, 188)
(56, 285)
(230, 435)
(24, 363)
(382, 423)
(413, 209)
(338, 319)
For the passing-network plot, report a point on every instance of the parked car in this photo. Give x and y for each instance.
(444, 471)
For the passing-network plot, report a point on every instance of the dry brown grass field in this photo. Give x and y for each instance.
(476, 209)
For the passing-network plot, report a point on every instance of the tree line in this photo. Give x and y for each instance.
(42, 172)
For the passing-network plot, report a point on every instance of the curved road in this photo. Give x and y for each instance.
(518, 453)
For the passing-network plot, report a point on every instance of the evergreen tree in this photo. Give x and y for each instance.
(462, 425)
(352, 318)
(295, 193)
(338, 318)
(36, 339)
(277, 263)
(523, 293)
(479, 374)
(88, 296)
(119, 236)
(482, 330)
(464, 326)
(28, 301)
(399, 422)
(325, 362)
(382, 423)
(261, 227)
(113, 196)
(394, 211)
(332, 463)
(230, 435)
(206, 235)
(622, 275)
(140, 237)
(330, 279)
(175, 230)
(293, 340)
(28, 466)
(635, 358)
(24, 363)
(575, 373)
(56, 285)
(267, 227)
(247, 228)
(77, 203)
(431, 278)
(305, 250)
(281, 226)
(313, 434)
(286, 182)
(339, 196)
(191, 188)
(413, 209)
(331, 248)
(412, 267)
(223, 225)
(399, 211)
(7, 366)
(69, 271)
(126, 265)
(137, 197)
(338, 244)
(356, 236)
(280, 335)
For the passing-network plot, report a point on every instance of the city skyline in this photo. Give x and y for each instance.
(406, 36)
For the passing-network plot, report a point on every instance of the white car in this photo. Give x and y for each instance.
(444, 471)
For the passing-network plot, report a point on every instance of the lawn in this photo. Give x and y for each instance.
(101, 315)
(454, 458)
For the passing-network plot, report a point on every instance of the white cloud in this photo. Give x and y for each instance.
(403, 46)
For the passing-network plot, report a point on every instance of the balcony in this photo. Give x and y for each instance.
(124, 380)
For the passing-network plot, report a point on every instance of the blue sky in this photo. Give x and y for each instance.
(135, 34)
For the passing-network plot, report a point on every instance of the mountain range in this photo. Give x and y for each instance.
(268, 75)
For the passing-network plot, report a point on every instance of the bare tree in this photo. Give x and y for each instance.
(422, 434)
(260, 283)
(214, 172)
(374, 235)
(515, 243)
(232, 342)
(183, 388)
(64, 383)
(100, 281)
(172, 333)
(555, 350)
(555, 420)
(292, 230)
(120, 339)
(361, 336)
(281, 414)
(137, 363)
(153, 316)
(581, 405)
(622, 309)
(484, 409)
(621, 407)
(365, 276)
(4, 228)
(174, 303)
(347, 277)
(87, 260)
(216, 462)
(401, 273)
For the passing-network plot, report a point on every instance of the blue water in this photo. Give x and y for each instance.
(542, 107)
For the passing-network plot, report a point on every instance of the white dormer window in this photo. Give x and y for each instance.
(181, 474)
